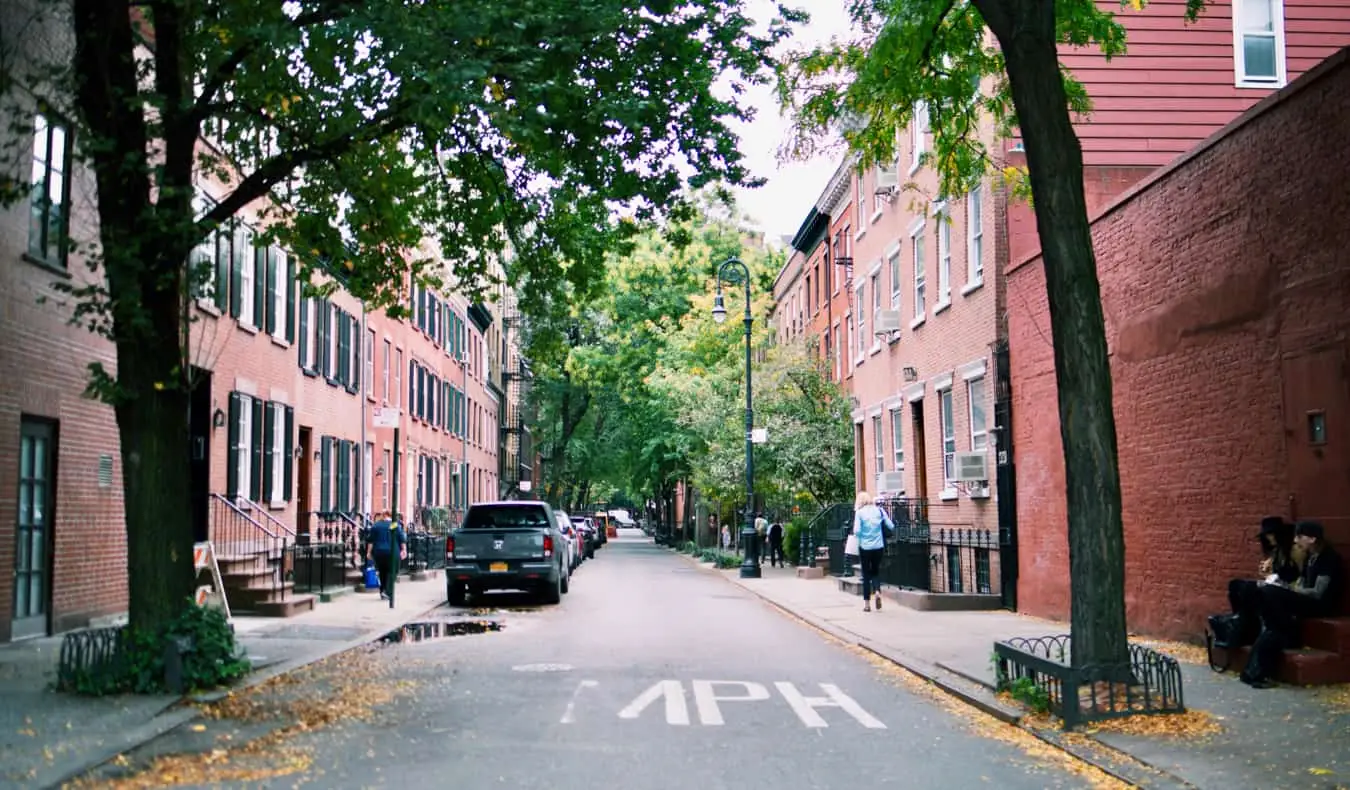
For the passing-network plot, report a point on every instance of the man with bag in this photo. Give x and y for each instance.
(380, 542)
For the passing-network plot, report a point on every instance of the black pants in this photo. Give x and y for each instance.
(871, 571)
(1281, 609)
(384, 567)
(1244, 596)
(776, 552)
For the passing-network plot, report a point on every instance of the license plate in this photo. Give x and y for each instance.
(498, 567)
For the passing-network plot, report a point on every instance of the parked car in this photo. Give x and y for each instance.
(587, 529)
(573, 539)
(506, 546)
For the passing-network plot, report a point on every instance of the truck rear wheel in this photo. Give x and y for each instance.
(457, 594)
(553, 592)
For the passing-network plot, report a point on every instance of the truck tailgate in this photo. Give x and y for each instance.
(507, 544)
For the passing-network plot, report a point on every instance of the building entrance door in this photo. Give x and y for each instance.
(33, 530)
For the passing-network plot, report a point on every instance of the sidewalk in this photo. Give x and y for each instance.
(46, 737)
(1287, 737)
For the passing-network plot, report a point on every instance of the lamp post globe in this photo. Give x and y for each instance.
(719, 311)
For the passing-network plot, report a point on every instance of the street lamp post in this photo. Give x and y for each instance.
(749, 538)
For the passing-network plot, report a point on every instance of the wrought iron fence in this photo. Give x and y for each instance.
(1040, 670)
(941, 560)
(320, 567)
(347, 530)
(426, 550)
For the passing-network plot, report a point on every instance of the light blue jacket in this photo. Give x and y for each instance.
(867, 525)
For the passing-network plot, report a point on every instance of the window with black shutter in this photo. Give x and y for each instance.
(340, 486)
(269, 445)
(354, 344)
(432, 386)
(291, 298)
(412, 388)
(342, 339)
(270, 255)
(422, 393)
(325, 474)
(260, 287)
(305, 363)
(256, 469)
(357, 478)
(323, 348)
(288, 456)
(232, 456)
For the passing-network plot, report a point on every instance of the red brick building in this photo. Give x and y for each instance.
(1224, 282)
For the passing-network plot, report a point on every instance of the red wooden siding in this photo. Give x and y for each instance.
(1175, 85)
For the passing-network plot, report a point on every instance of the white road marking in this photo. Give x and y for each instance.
(677, 708)
(569, 715)
(805, 707)
(706, 698)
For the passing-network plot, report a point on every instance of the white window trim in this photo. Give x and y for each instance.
(875, 281)
(944, 387)
(918, 135)
(837, 353)
(974, 260)
(278, 306)
(878, 438)
(1281, 77)
(247, 272)
(942, 216)
(243, 450)
(920, 304)
(970, 416)
(895, 411)
(860, 325)
(388, 352)
(278, 498)
(368, 375)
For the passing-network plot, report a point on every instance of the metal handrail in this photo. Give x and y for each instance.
(262, 511)
(239, 512)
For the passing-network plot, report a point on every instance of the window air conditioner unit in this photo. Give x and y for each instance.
(891, 483)
(888, 180)
(972, 467)
(886, 322)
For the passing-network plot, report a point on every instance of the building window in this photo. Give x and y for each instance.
(876, 304)
(1258, 40)
(878, 446)
(918, 135)
(368, 479)
(277, 451)
(50, 191)
(386, 470)
(920, 276)
(397, 391)
(848, 335)
(276, 303)
(979, 420)
(246, 263)
(975, 237)
(239, 467)
(944, 261)
(895, 279)
(897, 439)
(370, 362)
(862, 320)
(945, 416)
(862, 204)
(384, 376)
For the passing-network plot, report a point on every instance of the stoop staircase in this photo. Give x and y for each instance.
(252, 551)
(1324, 658)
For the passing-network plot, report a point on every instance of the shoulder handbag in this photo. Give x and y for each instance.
(851, 545)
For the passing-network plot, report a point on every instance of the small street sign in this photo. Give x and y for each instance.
(385, 417)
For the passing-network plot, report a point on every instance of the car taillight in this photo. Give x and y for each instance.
(449, 548)
(548, 546)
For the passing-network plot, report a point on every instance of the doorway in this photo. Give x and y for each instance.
(860, 453)
(302, 477)
(920, 450)
(1317, 437)
(199, 458)
(33, 529)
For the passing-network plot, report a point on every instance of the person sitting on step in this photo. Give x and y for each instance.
(1282, 560)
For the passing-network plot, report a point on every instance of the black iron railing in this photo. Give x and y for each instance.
(261, 515)
(426, 550)
(251, 555)
(334, 527)
(320, 567)
(830, 529)
(941, 560)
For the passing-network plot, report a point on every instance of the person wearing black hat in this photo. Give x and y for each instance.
(1315, 593)
(1281, 560)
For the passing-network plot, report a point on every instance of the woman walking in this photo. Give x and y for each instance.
(870, 525)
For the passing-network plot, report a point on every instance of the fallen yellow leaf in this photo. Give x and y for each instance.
(199, 728)
(1321, 771)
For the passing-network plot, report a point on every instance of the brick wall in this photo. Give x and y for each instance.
(1224, 281)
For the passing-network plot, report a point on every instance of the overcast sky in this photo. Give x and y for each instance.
(780, 206)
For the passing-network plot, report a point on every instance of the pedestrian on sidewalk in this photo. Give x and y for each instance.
(776, 544)
(384, 535)
(870, 525)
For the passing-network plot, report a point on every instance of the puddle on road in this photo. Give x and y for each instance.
(422, 632)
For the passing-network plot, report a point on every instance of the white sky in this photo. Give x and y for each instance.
(779, 206)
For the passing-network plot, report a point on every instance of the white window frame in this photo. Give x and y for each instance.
(387, 469)
(243, 448)
(247, 271)
(278, 306)
(916, 252)
(848, 338)
(974, 239)
(398, 378)
(979, 437)
(947, 435)
(878, 439)
(893, 263)
(898, 439)
(279, 459)
(944, 258)
(388, 352)
(862, 206)
(860, 323)
(837, 353)
(368, 480)
(918, 135)
(1240, 33)
(369, 361)
(876, 306)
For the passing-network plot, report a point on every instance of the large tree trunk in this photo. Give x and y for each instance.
(1026, 33)
(145, 278)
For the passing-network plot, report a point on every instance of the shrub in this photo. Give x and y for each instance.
(792, 539)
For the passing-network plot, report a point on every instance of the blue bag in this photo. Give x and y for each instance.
(372, 578)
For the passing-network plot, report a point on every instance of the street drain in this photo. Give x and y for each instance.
(421, 632)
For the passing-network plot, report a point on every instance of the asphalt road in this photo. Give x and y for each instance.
(652, 674)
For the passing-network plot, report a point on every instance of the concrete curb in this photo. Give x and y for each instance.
(181, 712)
(1108, 759)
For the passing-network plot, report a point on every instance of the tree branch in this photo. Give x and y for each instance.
(281, 166)
(331, 11)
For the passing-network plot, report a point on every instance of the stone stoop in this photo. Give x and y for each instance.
(1323, 660)
(250, 586)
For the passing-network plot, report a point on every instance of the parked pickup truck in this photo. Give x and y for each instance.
(506, 546)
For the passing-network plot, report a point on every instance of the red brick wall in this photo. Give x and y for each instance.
(1215, 273)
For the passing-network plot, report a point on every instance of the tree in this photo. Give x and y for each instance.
(937, 52)
(357, 130)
